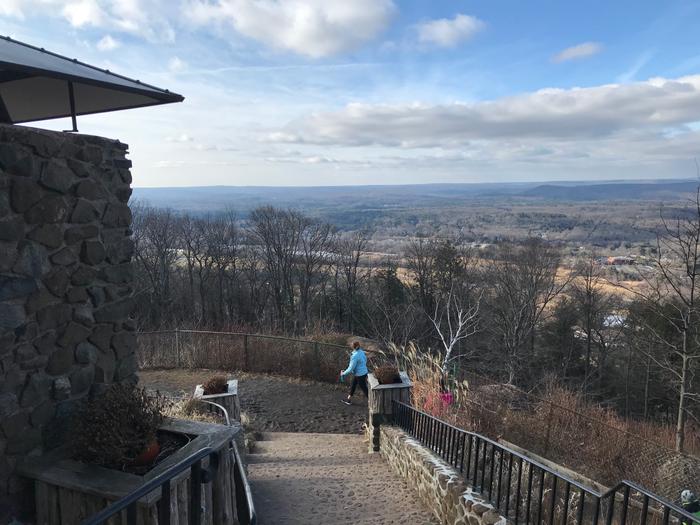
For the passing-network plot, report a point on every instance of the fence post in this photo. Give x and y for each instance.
(245, 352)
(549, 429)
(177, 347)
(317, 362)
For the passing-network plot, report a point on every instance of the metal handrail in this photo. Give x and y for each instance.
(251, 515)
(162, 481)
(468, 452)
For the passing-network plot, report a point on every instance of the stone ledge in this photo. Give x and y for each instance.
(438, 485)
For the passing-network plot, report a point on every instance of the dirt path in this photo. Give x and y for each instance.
(276, 404)
(328, 479)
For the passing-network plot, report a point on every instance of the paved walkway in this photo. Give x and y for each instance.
(328, 479)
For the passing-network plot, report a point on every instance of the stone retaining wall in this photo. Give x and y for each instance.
(438, 485)
(65, 283)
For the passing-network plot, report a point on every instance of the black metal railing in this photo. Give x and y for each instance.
(527, 491)
(198, 475)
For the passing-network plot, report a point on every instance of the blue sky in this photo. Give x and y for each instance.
(326, 92)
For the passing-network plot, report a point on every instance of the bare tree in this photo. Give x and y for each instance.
(454, 319)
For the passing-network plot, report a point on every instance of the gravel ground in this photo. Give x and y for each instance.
(275, 404)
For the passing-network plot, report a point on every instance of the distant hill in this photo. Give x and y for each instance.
(613, 191)
(381, 200)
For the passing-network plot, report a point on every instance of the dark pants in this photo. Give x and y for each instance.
(362, 381)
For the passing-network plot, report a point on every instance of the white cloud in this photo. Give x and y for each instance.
(83, 13)
(183, 137)
(314, 28)
(176, 65)
(107, 43)
(612, 122)
(11, 8)
(449, 32)
(577, 52)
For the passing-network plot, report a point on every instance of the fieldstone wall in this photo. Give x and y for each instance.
(437, 484)
(65, 283)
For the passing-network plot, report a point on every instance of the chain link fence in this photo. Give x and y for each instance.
(604, 448)
(263, 354)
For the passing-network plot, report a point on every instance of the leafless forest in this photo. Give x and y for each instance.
(527, 311)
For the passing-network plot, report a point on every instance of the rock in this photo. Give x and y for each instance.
(479, 509)
(78, 233)
(117, 216)
(122, 163)
(64, 257)
(36, 391)
(81, 380)
(49, 235)
(120, 273)
(11, 316)
(491, 518)
(27, 332)
(57, 281)
(123, 194)
(77, 294)
(97, 295)
(16, 425)
(17, 161)
(57, 176)
(83, 212)
(39, 300)
(119, 252)
(90, 190)
(93, 252)
(25, 353)
(91, 155)
(84, 275)
(14, 379)
(32, 260)
(8, 405)
(73, 334)
(126, 368)
(25, 194)
(83, 169)
(60, 361)
(43, 414)
(83, 315)
(50, 209)
(101, 336)
(54, 316)
(11, 229)
(86, 353)
(46, 342)
(8, 255)
(125, 175)
(124, 343)
(115, 312)
(105, 367)
(12, 286)
(61, 388)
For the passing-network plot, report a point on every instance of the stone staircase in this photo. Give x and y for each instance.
(328, 479)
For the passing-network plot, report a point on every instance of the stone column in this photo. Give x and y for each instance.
(380, 404)
(66, 285)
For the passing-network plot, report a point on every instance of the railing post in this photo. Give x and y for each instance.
(245, 352)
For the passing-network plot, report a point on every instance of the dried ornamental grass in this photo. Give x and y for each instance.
(115, 428)
(216, 385)
(387, 374)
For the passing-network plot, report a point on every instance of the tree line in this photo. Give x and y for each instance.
(519, 312)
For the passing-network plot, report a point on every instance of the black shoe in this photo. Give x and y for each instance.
(346, 402)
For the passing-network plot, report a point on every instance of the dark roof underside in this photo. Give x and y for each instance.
(35, 85)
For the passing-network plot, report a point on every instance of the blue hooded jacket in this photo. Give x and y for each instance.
(358, 364)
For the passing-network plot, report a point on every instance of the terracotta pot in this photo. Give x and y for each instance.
(149, 455)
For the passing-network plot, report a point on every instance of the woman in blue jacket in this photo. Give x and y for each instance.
(357, 367)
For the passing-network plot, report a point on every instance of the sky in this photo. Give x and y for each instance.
(344, 92)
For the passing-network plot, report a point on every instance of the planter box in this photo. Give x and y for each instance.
(229, 400)
(381, 396)
(67, 491)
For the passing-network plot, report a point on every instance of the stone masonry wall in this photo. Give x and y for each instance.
(437, 484)
(65, 283)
